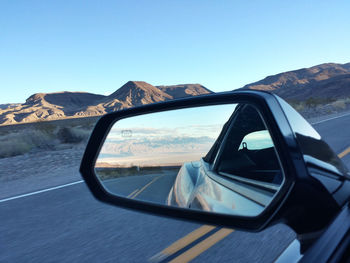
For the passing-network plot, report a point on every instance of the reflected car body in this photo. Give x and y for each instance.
(195, 188)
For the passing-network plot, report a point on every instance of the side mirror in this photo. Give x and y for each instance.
(230, 159)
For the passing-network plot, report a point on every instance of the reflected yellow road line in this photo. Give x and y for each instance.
(343, 153)
(202, 246)
(133, 193)
(143, 188)
(181, 243)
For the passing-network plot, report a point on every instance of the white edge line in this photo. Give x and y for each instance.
(40, 191)
(333, 118)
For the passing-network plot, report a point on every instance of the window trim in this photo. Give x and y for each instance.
(260, 184)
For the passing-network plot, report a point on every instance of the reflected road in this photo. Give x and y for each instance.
(151, 187)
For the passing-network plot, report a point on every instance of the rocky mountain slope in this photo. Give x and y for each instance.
(317, 90)
(330, 80)
(320, 90)
(61, 105)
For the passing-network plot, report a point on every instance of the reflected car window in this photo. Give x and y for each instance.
(248, 150)
(257, 141)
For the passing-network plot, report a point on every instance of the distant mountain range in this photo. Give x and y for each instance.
(322, 83)
(330, 80)
(53, 106)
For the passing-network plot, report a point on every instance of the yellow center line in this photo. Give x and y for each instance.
(188, 239)
(181, 243)
(202, 246)
(343, 153)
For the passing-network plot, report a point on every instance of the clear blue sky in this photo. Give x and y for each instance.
(97, 46)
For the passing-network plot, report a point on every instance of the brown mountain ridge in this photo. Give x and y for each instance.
(329, 80)
(60, 105)
(317, 90)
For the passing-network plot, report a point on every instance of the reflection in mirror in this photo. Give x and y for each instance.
(214, 158)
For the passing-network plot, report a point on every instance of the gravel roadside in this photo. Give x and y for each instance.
(39, 170)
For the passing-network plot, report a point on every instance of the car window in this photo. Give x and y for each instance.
(248, 150)
(257, 140)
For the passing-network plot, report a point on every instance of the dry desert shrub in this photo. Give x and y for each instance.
(41, 137)
(341, 103)
(73, 134)
(10, 148)
(21, 142)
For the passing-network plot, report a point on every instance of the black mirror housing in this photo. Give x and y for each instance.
(304, 194)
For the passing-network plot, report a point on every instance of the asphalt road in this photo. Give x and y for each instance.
(337, 134)
(68, 225)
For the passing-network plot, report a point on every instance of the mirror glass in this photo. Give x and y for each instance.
(214, 158)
